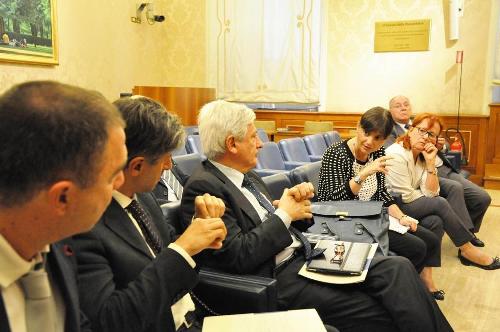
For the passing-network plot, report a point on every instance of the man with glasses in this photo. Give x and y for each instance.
(452, 183)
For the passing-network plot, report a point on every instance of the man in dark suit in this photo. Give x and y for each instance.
(453, 186)
(133, 276)
(63, 151)
(260, 241)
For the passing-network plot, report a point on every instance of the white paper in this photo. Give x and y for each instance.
(395, 226)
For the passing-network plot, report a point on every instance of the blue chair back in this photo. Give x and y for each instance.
(262, 135)
(331, 137)
(294, 149)
(315, 144)
(270, 157)
(307, 173)
(180, 151)
(276, 184)
(193, 144)
(188, 162)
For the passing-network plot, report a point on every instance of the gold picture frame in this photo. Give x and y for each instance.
(28, 32)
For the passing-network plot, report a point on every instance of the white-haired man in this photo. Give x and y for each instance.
(262, 241)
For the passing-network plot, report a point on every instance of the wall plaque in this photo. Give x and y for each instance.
(402, 36)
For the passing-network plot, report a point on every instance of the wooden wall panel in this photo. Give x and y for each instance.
(185, 102)
(493, 135)
(474, 129)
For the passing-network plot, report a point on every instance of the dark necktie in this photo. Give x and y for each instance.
(149, 230)
(173, 183)
(309, 253)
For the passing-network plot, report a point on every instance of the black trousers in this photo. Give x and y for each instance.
(422, 247)
(392, 298)
(452, 222)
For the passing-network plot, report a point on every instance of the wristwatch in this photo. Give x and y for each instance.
(357, 179)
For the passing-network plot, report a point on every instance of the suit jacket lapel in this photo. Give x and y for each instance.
(4, 322)
(116, 219)
(241, 201)
(65, 277)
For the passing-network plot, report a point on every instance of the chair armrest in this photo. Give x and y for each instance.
(294, 164)
(315, 158)
(233, 293)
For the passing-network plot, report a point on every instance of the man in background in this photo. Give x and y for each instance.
(61, 156)
(453, 185)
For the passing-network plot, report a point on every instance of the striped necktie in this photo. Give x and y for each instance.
(173, 183)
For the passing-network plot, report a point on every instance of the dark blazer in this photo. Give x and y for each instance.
(395, 133)
(63, 271)
(250, 245)
(161, 190)
(122, 288)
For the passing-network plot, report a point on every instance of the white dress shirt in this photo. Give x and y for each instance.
(12, 268)
(185, 304)
(236, 178)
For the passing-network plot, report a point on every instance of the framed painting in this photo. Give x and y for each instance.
(28, 31)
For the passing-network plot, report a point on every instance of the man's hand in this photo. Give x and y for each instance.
(202, 234)
(302, 191)
(441, 141)
(297, 210)
(208, 206)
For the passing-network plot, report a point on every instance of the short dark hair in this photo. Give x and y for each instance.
(377, 119)
(49, 132)
(151, 131)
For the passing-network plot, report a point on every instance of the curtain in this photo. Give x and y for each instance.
(265, 50)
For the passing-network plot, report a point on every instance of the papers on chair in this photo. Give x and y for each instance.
(289, 321)
(340, 279)
(395, 226)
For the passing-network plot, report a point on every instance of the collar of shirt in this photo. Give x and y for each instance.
(13, 266)
(235, 176)
(122, 199)
(402, 125)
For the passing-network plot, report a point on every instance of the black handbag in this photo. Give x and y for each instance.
(354, 221)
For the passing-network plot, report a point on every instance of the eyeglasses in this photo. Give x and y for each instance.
(424, 133)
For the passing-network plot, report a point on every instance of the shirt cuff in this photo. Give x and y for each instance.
(183, 253)
(287, 220)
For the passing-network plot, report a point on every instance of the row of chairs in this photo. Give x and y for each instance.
(293, 152)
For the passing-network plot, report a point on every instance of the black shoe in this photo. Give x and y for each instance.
(476, 242)
(493, 266)
(438, 295)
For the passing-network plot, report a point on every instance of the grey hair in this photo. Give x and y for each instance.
(219, 119)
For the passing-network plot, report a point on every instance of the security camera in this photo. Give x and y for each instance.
(159, 18)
